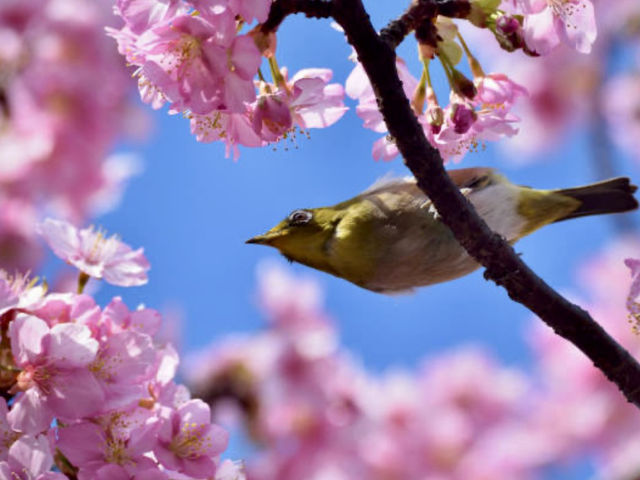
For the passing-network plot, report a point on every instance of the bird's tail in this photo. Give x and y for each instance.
(609, 196)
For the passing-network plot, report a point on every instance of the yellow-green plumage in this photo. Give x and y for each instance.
(390, 238)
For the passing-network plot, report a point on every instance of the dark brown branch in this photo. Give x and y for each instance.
(281, 8)
(503, 265)
(419, 12)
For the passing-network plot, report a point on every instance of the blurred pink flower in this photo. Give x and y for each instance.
(96, 255)
(550, 22)
(621, 103)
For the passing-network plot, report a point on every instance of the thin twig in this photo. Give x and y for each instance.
(417, 14)
(280, 9)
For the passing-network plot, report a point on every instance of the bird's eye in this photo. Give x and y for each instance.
(299, 217)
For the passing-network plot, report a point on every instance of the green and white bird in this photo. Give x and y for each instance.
(389, 238)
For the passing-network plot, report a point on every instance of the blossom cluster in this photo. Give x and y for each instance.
(568, 90)
(63, 101)
(92, 391)
(193, 56)
(317, 413)
(462, 126)
(478, 111)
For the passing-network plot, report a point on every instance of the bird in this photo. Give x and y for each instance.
(390, 239)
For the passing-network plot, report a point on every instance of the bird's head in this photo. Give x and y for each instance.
(303, 236)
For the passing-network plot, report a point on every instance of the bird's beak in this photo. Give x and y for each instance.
(265, 238)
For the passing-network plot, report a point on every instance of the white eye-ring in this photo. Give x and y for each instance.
(299, 217)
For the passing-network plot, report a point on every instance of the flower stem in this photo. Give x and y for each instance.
(474, 64)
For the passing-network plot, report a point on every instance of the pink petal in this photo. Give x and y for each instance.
(70, 345)
(579, 28)
(82, 443)
(26, 333)
(128, 268)
(540, 31)
(61, 236)
(74, 395)
(384, 150)
(32, 453)
(29, 413)
(245, 57)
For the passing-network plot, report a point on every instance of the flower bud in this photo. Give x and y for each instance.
(463, 85)
(506, 24)
(463, 117)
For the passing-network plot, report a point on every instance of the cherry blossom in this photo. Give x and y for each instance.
(187, 440)
(96, 255)
(54, 379)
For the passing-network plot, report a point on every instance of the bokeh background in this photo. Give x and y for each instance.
(192, 209)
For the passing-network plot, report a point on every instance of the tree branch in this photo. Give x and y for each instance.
(503, 265)
(417, 13)
(281, 8)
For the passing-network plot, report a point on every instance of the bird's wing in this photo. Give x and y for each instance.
(464, 178)
(389, 183)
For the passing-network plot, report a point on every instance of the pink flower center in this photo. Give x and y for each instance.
(190, 443)
(32, 376)
(116, 452)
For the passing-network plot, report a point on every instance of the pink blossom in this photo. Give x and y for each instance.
(122, 364)
(188, 442)
(271, 117)
(54, 379)
(315, 102)
(116, 445)
(29, 457)
(498, 91)
(197, 63)
(96, 255)
(118, 318)
(232, 128)
(307, 100)
(551, 22)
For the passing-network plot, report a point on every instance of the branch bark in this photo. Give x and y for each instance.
(503, 265)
